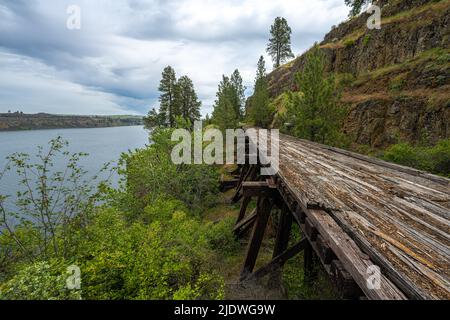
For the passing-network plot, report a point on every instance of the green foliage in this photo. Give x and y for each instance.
(356, 6)
(50, 204)
(315, 112)
(152, 260)
(221, 238)
(349, 42)
(139, 244)
(366, 39)
(169, 91)
(189, 104)
(41, 280)
(178, 98)
(260, 111)
(228, 107)
(435, 159)
(150, 173)
(279, 46)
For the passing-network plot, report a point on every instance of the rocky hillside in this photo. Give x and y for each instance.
(396, 79)
(21, 121)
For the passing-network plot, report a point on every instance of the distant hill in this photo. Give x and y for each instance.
(21, 121)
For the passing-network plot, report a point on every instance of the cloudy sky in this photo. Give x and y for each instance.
(113, 63)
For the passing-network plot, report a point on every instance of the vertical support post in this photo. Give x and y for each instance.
(263, 212)
(281, 242)
(309, 261)
(283, 232)
(243, 209)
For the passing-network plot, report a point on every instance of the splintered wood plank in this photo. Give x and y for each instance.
(353, 259)
(398, 215)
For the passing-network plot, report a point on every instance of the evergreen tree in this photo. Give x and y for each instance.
(154, 119)
(260, 112)
(237, 93)
(315, 112)
(187, 100)
(279, 46)
(260, 69)
(356, 6)
(168, 99)
(224, 114)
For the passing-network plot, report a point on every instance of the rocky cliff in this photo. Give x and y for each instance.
(396, 80)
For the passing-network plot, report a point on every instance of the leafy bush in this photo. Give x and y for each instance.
(156, 261)
(220, 236)
(42, 280)
(435, 159)
(150, 173)
(404, 154)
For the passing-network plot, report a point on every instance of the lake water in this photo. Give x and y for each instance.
(102, 144)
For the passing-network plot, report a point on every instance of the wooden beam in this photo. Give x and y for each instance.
(283, 232)
(257, 189)
(243, 209)
(228, 184)
(352, 258)
(249, 219)
(263, 212)
(278, 261)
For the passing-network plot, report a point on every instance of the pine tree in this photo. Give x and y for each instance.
(279, 46)
(237, 93)
(224, 114)
(153, 119)
(356, 6)
(169, 108)
(260, 69)
(260, 113)
(187, 100)
(315, 112)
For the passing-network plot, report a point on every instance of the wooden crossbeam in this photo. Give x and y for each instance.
(257, 189)
(247, 220)
(278, 261)
(228, 184)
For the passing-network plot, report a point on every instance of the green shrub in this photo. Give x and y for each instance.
(435, 159)
(366, 39)
(150, 174)
(139, 261)
(43, 280)
(220, 236)
(404, 154)
(440, 157)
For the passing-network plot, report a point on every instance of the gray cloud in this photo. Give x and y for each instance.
(114, 63)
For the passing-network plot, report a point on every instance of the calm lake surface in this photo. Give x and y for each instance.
(102, 144)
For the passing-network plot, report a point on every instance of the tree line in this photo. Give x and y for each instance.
(177, 99)
(312, 113)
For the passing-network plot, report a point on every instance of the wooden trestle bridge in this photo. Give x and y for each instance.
(354, 213)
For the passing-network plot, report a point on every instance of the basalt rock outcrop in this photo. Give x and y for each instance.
(396, 80)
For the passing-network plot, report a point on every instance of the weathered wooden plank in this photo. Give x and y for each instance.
(353, 259)
(399, 216)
